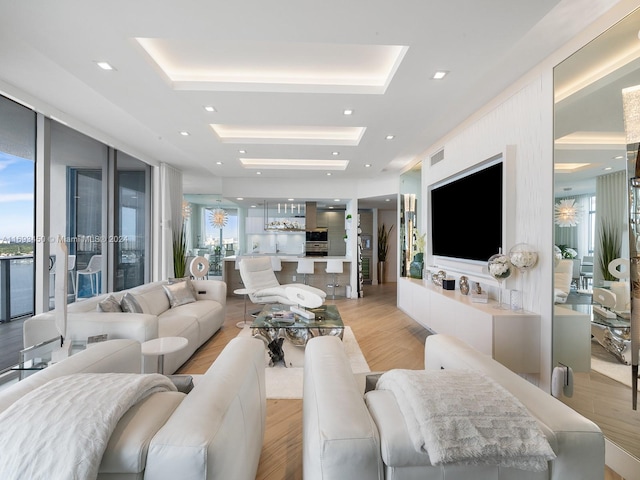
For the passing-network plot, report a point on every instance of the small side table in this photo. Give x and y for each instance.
(245, 292)
(162, 346)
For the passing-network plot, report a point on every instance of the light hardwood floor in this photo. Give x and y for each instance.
(388, 339)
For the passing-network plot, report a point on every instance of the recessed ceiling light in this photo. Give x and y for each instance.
(389, 137)
(335, 153)
(288, 134)
(569, 167)
(440, 74)
(367, 165)
(294, 163)
(240, 198)
(607, 168)
(387, 200)
(254, 206)
(258, 173)
(209, 108)
(105, 65)
(242, 151)
(336, 199)
(218, 162)
(348, 111)
(184, 133)
(290, 199)
(271, 66)
(328, 174)
(619, 157)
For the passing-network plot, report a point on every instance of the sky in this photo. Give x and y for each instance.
(16, 197)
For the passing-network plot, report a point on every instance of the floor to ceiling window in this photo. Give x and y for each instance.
(17, 184)
(17, 207)
(78, 200)
(93, 196)
(131, 240)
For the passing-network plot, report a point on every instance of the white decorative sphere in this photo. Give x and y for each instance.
(499, 266)
(523, 256)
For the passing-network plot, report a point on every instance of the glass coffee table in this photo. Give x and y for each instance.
(276, 322)
(614, 334)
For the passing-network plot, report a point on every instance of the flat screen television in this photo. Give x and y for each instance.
(467, 214)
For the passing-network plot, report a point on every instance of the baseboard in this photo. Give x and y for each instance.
(621, 461)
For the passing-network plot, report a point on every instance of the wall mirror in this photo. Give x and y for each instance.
(410, 231)
(591, 322)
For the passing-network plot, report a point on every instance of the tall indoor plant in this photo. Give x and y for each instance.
(610, 246)
(383, 249)
(417, 264)
(179, 252)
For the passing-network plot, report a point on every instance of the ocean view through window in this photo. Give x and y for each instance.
(17, 184)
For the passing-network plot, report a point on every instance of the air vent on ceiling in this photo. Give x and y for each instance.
(437, 157)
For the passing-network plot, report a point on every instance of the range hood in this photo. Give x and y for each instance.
(310, 210)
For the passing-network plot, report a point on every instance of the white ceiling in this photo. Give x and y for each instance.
(289, 66)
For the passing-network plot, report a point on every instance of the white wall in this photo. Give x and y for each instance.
(522, 116)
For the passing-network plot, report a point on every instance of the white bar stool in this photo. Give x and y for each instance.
(334, 267)
(305, 267)
(276, 263)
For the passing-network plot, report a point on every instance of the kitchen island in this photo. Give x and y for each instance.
(320, 279)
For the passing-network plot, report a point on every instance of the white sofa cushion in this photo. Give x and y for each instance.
(225, 441)
(129, 443)
(395, 443)
(153, 300)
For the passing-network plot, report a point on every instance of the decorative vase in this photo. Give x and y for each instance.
(464, 285)
(415, 267)
(499, 268)
(381, 271)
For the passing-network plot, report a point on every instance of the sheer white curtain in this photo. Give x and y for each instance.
(170, 209)
(611, 210)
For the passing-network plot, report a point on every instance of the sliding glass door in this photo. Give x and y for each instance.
(133, 223)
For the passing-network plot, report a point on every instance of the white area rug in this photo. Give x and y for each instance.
(606, 364)
(286, 382)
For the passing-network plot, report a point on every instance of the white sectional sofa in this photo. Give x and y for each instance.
(196, 321)
(350, 436)
(215, 432)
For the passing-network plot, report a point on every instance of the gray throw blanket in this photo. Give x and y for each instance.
(465, 417)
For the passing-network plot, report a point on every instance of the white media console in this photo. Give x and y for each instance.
(512, 338)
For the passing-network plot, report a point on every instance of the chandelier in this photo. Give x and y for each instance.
(186, 209)
(218, 218)
(567, 213)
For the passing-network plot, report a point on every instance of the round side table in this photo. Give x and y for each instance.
(162, 346)
(245, 292)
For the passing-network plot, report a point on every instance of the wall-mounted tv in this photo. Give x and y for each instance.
(467, 214)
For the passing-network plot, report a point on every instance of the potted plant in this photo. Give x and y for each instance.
(179, 253)
(416, 266)
(383, 249)
(609, 250)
